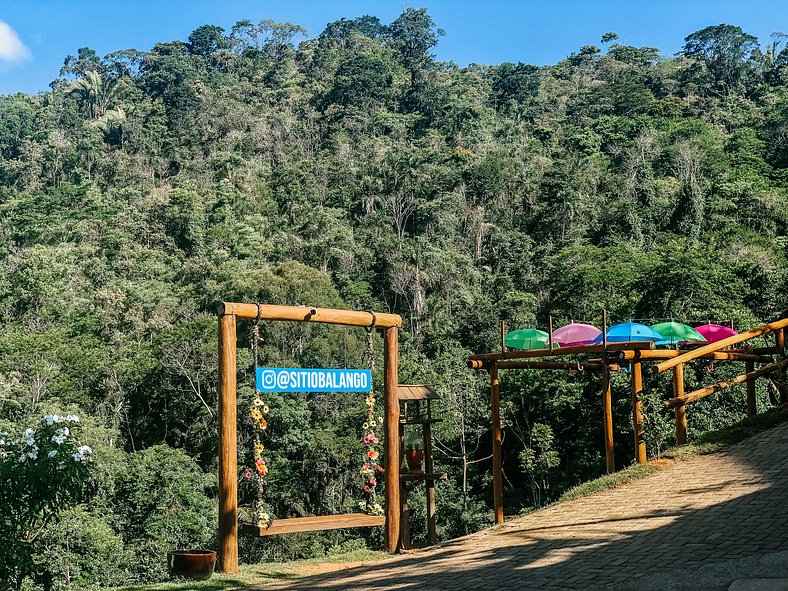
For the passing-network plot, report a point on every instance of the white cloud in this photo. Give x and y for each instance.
(12, 50)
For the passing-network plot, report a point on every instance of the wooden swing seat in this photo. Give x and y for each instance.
(316, 523)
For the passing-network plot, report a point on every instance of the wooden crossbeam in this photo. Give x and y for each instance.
(740, 379)
(316, 523)
(309, 314)
(661, 354)
(564, 365)
(722, 343)
(561, 351)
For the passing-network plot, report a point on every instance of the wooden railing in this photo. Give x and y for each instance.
(714, 350)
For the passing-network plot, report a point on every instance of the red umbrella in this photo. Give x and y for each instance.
(715, 332)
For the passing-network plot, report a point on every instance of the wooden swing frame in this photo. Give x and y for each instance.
(229, 313)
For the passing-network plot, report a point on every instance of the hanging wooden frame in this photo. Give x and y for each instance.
(229, 313)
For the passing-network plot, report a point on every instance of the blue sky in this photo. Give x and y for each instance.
(40, 33)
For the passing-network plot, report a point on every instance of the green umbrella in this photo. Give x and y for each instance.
(676, 332)
(528, 339)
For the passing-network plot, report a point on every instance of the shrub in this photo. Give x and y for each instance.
(42, 473)
(160, 504)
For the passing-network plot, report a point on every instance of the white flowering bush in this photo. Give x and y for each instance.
(43, 471)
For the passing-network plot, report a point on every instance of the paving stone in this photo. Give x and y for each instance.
(696, 513)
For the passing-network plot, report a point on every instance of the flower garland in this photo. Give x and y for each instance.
(371, 468)
(259, 412)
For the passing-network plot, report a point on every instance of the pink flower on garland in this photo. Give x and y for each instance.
(373, 481)
(367, 489)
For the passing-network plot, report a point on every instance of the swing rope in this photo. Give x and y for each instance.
(371, 467)
(259, 412)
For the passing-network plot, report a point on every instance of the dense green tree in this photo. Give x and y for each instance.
(725, 51)
(206, 40)
(412, 35)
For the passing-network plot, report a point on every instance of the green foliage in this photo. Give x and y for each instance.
(724, 50)
(43, 472)
(537, 459)
(159, 498)
(83, 551)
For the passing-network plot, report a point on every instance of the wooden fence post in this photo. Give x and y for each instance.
(607, 414)
(392, 451)
(637, 413)
(752, 408)
(680, 411)
(495, 404)
(780, 343)
(429, 467)
(228, 448)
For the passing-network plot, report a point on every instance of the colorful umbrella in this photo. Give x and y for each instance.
(527, 339)
(630, 331)
(575, 334)
(676, 332)
(715, 332)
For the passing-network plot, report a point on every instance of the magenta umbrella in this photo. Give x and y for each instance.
(575, 334)
(715, 332)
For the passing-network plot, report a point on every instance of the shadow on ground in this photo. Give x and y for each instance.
(186, 585)
(679, 548)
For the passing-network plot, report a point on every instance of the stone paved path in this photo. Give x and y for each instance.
(715, 508)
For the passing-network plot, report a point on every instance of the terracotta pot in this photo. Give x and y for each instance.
(414, 457)
(191, 564)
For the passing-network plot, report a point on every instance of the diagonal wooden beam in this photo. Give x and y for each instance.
(703, 392)
(721, 344)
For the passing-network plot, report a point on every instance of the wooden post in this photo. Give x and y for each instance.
(392, 452)
(680, 411)
(637, 413)
(503, 336)
(495, 404)
(550, 331)
(404, 512)
(429, 467)
(780, 346)
(607, 413)
(604, 329)
(228, 450)
(752, 408)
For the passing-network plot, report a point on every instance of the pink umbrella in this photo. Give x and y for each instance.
(715, 332)
(575, 334)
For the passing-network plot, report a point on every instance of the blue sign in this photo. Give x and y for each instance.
(284, 379)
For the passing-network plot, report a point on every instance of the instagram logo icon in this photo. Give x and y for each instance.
(268, 379)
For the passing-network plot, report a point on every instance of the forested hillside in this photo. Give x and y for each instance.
(352, 169)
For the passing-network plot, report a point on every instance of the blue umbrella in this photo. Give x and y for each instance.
(630, 331)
